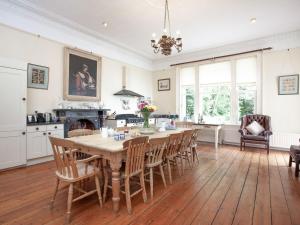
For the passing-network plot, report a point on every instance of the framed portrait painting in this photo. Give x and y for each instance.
(82, 74)
(37, 76)
(288, 85)
(164, 84)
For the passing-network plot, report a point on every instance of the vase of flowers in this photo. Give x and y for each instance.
(146, 111)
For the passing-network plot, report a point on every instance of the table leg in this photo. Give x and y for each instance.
(115, 166)
(216, 138)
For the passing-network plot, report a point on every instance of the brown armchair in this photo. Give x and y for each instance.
(263, 137)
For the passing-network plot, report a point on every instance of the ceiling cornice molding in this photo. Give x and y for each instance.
(21, 15)
(277, 42)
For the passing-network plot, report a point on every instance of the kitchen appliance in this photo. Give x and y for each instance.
(121, 120)
(48, 117)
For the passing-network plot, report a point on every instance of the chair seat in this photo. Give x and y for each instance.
(295, 151)
(84, 170)
(254, 137)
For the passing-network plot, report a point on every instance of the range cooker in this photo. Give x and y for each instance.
(121, 120)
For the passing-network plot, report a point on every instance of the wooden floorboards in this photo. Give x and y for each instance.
(228, 187)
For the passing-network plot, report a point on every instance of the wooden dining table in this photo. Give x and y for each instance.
(110, 149)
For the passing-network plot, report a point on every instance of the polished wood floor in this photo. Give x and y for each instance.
(227, 187)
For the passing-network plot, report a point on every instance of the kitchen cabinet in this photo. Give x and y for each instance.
(38, 144)
(13, 83)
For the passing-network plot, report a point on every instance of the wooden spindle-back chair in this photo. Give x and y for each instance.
(134, 166)
(172, 149)
(73, 171)
(78, 133)
(185, 152)
(154, 158)
(184, 124)
(194, 145)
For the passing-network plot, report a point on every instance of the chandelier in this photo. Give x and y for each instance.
(166, 42)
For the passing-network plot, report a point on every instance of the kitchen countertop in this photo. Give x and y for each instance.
(45, 123)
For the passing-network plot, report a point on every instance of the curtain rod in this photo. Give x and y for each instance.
(223, 56)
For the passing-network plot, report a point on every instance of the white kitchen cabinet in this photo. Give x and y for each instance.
(13, 83)
(38, 144)
(12, 149)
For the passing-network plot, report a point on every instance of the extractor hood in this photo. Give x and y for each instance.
(124, 91)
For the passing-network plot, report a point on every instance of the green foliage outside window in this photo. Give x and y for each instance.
(247, 97)
(216, 102)
(190, 102)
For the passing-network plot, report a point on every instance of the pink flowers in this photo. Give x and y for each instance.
(145, 107)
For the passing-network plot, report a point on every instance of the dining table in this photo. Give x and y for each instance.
(112, 150)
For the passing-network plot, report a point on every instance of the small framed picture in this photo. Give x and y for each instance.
(288, 85)
(164, 84)
(37, 76)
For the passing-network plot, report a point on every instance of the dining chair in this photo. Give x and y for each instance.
(73, 171)
(194, 146)
(184, 124)
(134, 167)
(185, 152)
(80, 132)
(154, 158)
(170, 154)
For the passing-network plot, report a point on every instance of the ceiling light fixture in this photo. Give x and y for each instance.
(105, 24)
(166, 42)
(253, 20)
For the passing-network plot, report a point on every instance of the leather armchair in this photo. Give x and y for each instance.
(263, 137)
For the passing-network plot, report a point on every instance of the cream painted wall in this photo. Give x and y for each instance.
(32, 49)
(284, 109)
(165, 100)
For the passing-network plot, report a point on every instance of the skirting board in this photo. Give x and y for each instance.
(39, 160)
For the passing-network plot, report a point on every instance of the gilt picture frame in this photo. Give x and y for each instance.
(164, 84)
(37, 76)
(82, 75)
(288, 84)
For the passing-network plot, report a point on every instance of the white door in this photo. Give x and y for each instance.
(12, 149)
(55, 133)
(12, 99)
(36, 145)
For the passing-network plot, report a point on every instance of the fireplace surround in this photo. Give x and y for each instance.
(81, 118)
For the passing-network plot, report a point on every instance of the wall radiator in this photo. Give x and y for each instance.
(279, 140)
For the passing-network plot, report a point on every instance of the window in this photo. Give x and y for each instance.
(246, 86)
(215, 92)
(187, 93)
(225, 91)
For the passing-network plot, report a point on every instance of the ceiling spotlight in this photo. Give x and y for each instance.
(253, 20)
(105, 24)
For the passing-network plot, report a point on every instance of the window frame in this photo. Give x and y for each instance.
(234, 93)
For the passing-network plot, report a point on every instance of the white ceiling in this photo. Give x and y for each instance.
(203, 23)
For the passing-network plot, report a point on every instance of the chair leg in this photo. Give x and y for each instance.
(297, 168)
(290, 161)
(98, 189)
(105, 184)
(127, 193)
(182, 164)
(241, 146)
(70, 199)
(55, 193)
(268, 148)
(195, 155)
(189, 159)
(151, 183)
(142, 182)
(162, 175)
(169, 171)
